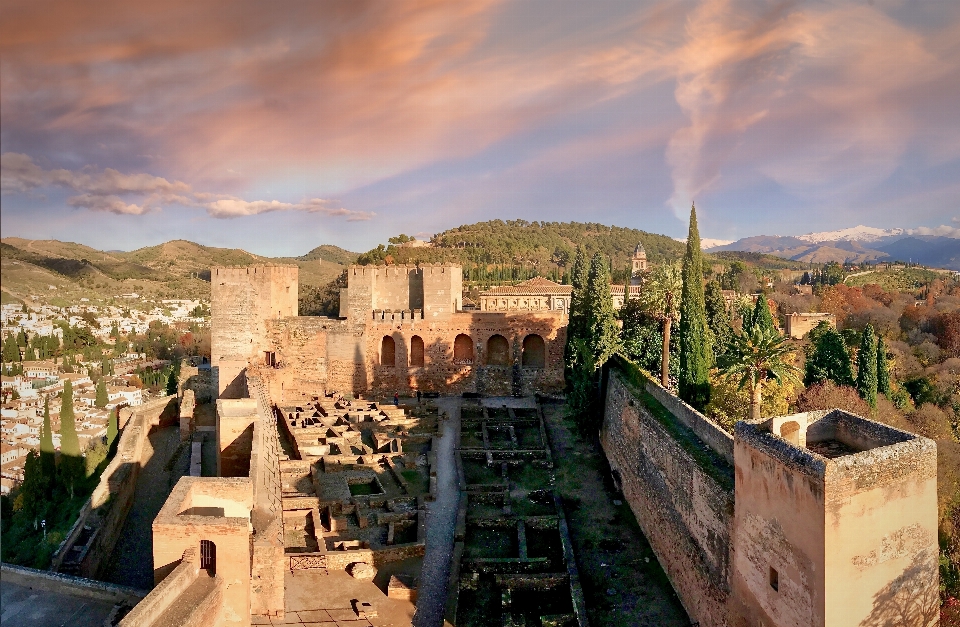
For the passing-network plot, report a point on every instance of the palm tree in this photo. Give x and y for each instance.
(755, 357)
(660, 298)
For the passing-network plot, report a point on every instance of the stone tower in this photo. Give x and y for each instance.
(242, 299)
(639, 265)
(835, 523)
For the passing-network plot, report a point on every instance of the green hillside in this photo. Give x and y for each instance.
(500, 250)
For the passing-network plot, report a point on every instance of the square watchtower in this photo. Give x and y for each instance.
(835, 523)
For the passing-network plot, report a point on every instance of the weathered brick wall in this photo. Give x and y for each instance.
(242, 300)
(683, 509)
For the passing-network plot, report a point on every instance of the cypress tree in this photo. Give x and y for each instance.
(172, 383)
(718, 318)
(575, 325)
(71, 464)
(883, 369)
(695, 350)
(602, 331)
(762, 317)
(48, 455)
(867, 366)
(829, 361)
(102, 397)
(112, 429)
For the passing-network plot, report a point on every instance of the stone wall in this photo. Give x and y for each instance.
(268, 563)
(106, 510)
(682, 500)
(328, 354)
(242, 300)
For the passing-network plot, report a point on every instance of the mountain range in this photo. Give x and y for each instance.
(938, 247)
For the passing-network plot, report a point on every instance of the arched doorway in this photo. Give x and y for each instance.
(388, 351)
(463, 350)
(534, 352)
(208, 557)
(416, 351)
(498, 351)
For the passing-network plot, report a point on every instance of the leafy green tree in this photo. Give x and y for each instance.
(718, 318)
(112, 429)
(71, 462)
(641, 339)
(695, 349)
(102, 397)
(48, 454)
(660, 298)
(829, 361)
(867, 367)
(602, 333)
(755, 357)
(582, 398)
(883, 369)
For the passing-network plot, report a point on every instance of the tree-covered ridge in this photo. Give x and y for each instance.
(544, 248)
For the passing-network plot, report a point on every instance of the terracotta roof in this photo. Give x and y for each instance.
(537, 286)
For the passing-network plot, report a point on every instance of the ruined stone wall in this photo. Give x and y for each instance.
(684, 508)
(242, 300)
(267, 563)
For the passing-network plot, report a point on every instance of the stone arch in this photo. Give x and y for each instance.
(790, 431)
(498, 351)
(463, 350)
(388, 351)
(416, 351)
(534, 351)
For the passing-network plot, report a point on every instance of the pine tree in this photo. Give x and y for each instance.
(71, 463)
(867, 366)
(48, 455)
(762, 317)
(829, 361)
(102, 397)
(718, 318)
(695, 349)
(112, 429)
(883, 369)
(602, 332)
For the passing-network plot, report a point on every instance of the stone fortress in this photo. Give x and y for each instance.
(823, 519)
(400, 329)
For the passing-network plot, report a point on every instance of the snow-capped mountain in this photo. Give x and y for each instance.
(858, 233)
(938, 247)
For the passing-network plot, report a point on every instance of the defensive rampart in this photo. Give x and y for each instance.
(92, 538)
(675, 471)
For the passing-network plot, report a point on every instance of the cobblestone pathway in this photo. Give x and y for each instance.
(132, 561)
(441, 524)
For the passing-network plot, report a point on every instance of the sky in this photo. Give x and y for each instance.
(279, 126)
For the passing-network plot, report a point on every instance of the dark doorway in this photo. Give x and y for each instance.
(208, 557)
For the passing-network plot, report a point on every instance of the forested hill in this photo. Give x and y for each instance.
(527, 248)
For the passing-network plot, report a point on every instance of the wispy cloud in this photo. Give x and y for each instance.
(103, 191)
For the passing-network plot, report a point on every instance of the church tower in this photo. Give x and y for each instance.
(639, 265)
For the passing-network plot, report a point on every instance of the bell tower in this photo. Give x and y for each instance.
(639, 265)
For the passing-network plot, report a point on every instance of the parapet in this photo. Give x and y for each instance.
(819, 443)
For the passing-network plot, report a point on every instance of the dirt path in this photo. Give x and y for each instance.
(622, 581)
(441, 523)
(132, 561)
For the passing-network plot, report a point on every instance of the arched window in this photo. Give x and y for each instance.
(208, 556)
(534, 353)
(498, 351)
(790, 431)
(463, 350)
(416, 351)
(388, 351)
